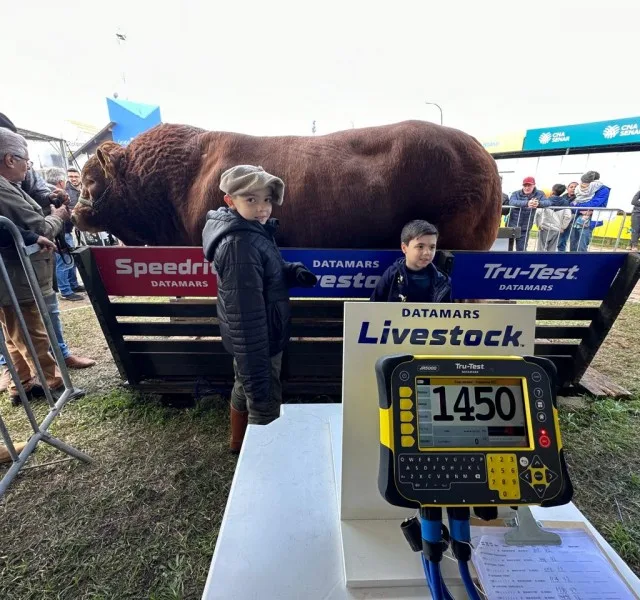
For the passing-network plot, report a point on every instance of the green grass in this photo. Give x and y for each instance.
(141, 522)
(601, 443)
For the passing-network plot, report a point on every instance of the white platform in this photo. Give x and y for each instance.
(280, 536)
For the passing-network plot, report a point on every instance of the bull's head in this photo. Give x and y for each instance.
(99, 175)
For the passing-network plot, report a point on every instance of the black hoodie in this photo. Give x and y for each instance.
(253, 294)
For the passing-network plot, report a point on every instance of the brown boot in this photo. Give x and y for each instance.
(239, 420)
(79, 362)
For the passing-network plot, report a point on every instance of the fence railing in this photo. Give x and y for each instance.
(567, 229)
(40, 430)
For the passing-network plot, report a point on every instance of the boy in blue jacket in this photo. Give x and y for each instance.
(415, 278)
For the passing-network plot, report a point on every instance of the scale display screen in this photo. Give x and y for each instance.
(465, 412)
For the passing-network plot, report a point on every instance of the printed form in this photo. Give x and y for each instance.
(576, 570)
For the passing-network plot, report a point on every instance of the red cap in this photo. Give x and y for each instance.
(530, 180)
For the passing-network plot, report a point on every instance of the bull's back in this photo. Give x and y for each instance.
(357, 188)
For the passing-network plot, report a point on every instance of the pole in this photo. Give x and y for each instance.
(439, 108)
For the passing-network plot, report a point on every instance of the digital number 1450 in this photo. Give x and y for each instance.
(500, 401)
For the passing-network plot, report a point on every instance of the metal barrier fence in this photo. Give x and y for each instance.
(566, 229)
(40, 430)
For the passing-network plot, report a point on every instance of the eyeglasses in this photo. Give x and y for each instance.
(29, 162)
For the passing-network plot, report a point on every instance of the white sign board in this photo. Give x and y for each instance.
(375, 329)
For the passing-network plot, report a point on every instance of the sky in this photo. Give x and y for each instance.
(273, 67)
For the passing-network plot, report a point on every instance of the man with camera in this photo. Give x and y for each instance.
(25, 213)
(37, 190)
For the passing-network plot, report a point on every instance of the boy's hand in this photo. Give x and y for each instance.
(305, 277)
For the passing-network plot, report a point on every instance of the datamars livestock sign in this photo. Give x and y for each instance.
(183, 271)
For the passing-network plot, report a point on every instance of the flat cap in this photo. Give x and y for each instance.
(242, 180)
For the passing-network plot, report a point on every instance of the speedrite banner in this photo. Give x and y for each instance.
(183, 271)
(375, 329)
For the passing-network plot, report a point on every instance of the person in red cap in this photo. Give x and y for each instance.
(524, 203)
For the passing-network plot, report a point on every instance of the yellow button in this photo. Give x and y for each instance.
(406, 404)
(406, 416)
(406, 392)
(406, 428)
(407, 441)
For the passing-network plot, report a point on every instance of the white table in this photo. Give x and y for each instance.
(280, 534)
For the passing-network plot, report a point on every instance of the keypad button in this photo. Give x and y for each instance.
(405, 392)
(536, 376)
(551, 476)
(407, 441)
(406, 428)
(526, 475)
(406, 404)
(540, 489)
(406, 416)
(536, 463)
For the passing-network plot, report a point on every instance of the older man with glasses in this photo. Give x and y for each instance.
(25, 213)
(38, 190)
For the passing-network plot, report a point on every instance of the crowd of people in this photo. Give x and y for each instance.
(565, 219)
(41, 212)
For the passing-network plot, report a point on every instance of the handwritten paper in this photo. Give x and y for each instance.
(576, 570)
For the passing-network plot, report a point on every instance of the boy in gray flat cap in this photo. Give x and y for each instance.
(253, 292)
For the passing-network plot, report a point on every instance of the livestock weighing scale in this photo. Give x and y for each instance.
(467, 432)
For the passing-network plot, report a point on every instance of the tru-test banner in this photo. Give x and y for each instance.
(372, 330)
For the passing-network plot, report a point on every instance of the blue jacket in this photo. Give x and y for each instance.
(600, 199)
(521, 215)
(393, 286)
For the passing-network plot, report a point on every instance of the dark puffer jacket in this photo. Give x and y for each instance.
(395, 285)
(521, 215)
(253, 294)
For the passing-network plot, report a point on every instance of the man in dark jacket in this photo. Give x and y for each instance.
(524, 203)
(253, 292)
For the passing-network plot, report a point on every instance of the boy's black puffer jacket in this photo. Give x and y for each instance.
(253, 294)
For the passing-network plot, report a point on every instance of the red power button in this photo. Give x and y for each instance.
(544, 440)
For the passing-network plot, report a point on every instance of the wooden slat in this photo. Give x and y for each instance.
(159, 366)
(597, 384)
(169, 329)
(561, 332)
(174, 347)
(555, 349)
(162, 309)
(566, 313)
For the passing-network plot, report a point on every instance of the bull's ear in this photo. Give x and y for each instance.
(110, 157)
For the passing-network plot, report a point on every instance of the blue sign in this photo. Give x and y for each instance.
(342, 273)
(476, 275)
(131, 118)
(601, 133)
(534, 275)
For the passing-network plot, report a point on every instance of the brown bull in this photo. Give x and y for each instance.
(350, 189)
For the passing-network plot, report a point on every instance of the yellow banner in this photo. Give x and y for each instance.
(506, 142)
